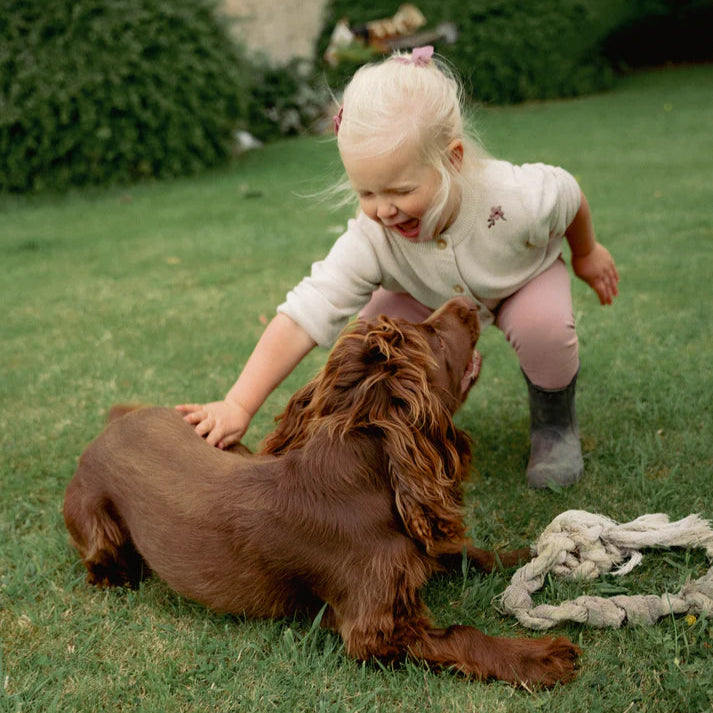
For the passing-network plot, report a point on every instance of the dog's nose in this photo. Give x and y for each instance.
(463, 302)
(466, 306)
(462, 308)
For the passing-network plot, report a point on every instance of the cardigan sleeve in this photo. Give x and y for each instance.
(554, 198)
(337, 287)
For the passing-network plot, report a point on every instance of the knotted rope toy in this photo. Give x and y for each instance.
(578, 544)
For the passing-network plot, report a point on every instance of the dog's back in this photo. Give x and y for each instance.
(149, 490)
(233, 532)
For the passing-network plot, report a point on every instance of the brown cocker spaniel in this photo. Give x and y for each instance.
(354, 501)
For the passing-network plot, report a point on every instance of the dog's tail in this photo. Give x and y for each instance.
(120, 410)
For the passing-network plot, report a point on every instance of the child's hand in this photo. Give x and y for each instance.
(222, 423)
(598, 270)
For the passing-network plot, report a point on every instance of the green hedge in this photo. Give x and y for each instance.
(99, 91)
(96, 91)
(285, 100)
(516, 50)
(513, 50)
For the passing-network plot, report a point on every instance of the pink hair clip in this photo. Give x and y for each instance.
(338, 119)
(420, 56)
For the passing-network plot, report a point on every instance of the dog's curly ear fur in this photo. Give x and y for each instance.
(293, 423)
(428, 458)
(426, 453)
(376, 379)
(335, 398)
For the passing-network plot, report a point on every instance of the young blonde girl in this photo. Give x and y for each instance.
(439, 218)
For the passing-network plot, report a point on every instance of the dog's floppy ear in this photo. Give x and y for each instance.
(292, 424)
(426, 470)
(427, 454)
(376, 379)
(328, 398)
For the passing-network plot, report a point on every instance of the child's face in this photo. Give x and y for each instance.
(396, 189)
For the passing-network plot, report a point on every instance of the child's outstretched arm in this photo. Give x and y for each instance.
(282, 346)
(591, 261)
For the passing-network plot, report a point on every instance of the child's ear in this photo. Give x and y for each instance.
(455, 154)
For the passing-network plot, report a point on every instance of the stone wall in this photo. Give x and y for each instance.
(282, 29)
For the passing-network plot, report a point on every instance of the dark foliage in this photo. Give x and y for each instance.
(98, 91)
(513, 50)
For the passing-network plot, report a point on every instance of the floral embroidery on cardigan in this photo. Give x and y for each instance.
(496, 213)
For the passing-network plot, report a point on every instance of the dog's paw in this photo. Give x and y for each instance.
(546, 662)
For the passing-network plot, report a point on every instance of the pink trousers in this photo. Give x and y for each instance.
(537, 321)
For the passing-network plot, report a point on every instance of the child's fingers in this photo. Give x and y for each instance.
(612, 280)
(212, 436)
(215, 422)
(228, 441)
(188, 408)
(606, 291)
(195, 414)
(195, 418)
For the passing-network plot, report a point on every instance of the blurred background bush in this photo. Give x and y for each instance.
(97, 91)
(111, 91)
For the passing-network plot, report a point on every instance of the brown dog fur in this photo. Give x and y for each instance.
(354, 501)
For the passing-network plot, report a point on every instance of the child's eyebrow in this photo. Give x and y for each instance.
(396, 188)
(404, 187)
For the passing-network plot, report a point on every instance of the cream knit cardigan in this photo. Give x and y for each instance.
(508, 230)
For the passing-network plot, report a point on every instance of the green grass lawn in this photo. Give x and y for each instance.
(158, 293)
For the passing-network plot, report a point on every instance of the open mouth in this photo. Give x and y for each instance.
(410, 228)
(472, 371)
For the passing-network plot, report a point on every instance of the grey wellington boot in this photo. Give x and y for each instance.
(555, 450)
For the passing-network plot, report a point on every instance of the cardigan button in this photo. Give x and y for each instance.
(442, 243)
(458, 289)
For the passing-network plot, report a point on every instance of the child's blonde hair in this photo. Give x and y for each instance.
(400, 100)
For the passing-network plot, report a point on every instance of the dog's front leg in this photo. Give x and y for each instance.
(529, 662)
(482, 560)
